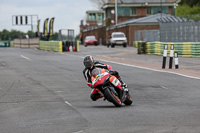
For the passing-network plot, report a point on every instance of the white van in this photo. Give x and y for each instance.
(118, 38)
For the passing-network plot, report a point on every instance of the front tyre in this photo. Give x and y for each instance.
(112, 97)
(127, 99)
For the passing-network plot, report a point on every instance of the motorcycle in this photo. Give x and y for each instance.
(110, 87)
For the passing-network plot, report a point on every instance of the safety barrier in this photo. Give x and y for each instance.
(26, 43)
(11, 43)
(184, 49)
(4, 44)
(55, 46)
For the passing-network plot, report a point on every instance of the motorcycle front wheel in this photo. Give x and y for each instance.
(112, 97)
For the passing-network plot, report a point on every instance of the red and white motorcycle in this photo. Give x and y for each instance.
(110, 87)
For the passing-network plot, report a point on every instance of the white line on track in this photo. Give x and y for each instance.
(152, 69)
(139, 67)
(25, 57)
(79, 131)
(69, 104)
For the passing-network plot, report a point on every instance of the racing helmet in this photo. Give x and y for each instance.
(88, 62)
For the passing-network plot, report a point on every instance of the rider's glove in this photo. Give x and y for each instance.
(112, 72)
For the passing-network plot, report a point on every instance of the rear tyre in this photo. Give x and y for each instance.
(112, 97)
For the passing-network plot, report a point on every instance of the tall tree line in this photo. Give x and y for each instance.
(190, 3)
(188, 7)
(11, 35)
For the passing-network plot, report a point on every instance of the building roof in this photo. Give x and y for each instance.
(95, 11)
(139, 3)
(144, 1)
(149, 19)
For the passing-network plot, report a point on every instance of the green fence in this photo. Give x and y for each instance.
(185, 49)
(55, 46)
(4, 44)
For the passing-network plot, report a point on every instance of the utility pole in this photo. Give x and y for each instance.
(116, 12)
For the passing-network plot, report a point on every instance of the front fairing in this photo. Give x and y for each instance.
(100, 80)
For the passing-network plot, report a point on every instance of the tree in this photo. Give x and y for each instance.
(54, 36)
(185, 9)
(99, 3)
(191, 3)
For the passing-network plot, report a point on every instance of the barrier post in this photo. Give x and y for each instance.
(70, 47)
(171, 56)
(164, 56)
(77, 45)
(176, 60)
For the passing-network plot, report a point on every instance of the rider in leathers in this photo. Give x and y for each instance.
(90, 64)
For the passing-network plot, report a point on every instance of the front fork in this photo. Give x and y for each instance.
(115, 82)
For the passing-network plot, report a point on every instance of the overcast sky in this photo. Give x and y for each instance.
(67, 13)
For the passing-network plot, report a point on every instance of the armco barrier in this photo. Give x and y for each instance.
(4, 44)
(184, 49)
(55, 46)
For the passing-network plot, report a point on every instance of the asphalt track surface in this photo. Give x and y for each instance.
(45, 92)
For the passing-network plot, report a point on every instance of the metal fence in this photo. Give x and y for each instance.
(172, 29)
(147, 35)
(66, 35)
(180, 31)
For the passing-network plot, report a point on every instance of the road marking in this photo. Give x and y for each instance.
(151, 69)
(79, 131)
(164, 87)
(192, 77)
(25, 57)
(69, 104)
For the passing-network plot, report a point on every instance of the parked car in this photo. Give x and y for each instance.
(118, 38)
(90, 40)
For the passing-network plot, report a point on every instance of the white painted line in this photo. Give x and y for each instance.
(79, 131)
(192, 77)
(59, 91)
(164, 87)
(25, 57)
(68, 103)
(152, 69)
(4, 64)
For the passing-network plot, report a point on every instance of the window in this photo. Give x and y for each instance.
(133, 11)
(92, 16)
(149, 10)
(158, 9)
(108, 13)
(123, 11)
(100, 17)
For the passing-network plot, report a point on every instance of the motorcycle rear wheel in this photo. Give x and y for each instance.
(112, 97)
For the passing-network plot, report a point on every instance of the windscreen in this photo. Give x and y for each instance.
(96, 72)
(90, 38)
(118, 35)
